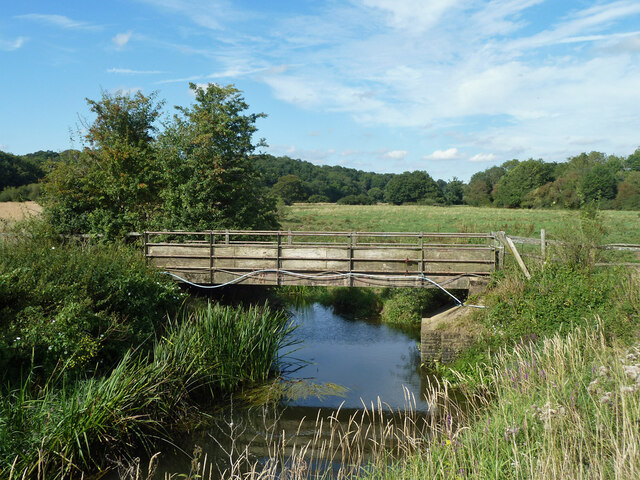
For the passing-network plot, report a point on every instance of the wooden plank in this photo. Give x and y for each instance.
(509, 243)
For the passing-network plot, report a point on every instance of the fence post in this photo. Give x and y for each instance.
(543, 244)
(211, 242)
(509, 243)
(278, 261)
(145, 242)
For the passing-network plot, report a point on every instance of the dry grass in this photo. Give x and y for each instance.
(12, 211)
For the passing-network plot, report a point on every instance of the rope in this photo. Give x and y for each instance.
(327, 277)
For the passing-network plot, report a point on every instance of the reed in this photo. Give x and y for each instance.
(65, 429)
(568, 407)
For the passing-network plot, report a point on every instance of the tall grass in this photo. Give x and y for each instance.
(62, 430)
(568, 407)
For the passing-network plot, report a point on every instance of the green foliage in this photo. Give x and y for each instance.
(210, 180)
(290, 189)
(330, 182)
(17, 170)
(67, 429)
(21, 194)
(628, 197)
(633, 161)
(79, 305)
(453, 192)
(599, 183)
(514, 185)
(351, 302)
(197, 174)
(411, 187)
(315, 198)
(111, 187)
(361, 199)
(407, 306)
(481, 187)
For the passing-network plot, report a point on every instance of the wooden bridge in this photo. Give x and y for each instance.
(363, 259)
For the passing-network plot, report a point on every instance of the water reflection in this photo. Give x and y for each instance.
(371, 360)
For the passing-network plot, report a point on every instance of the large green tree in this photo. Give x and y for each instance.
(111, 186)
(513, 186)
(205, 154)
(412, 187)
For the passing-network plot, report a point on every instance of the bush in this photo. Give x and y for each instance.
(361, 199)
(315, 198)
(76, 304)
(21, 194)
(406, 306)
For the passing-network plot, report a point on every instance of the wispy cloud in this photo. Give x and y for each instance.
(10, 45)
(121, 39)
(128, 71)
(60, 21)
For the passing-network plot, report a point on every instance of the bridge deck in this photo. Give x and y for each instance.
(457, 260)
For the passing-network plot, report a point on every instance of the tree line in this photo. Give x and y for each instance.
(199, 169)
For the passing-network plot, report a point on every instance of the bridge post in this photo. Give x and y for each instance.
(145, 243)
(211, 242)
(352, 242)
(422, 259)
(278, 259)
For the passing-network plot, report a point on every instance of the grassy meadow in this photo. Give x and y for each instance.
(622, 226)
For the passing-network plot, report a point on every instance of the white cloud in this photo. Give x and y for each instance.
(60, 21)
(121, 39)
(395, 154)
(10, 45)
(506, 80)
(449, 154)
(128, 71)
(483, 157)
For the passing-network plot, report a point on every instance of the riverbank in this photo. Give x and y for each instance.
(101, 355)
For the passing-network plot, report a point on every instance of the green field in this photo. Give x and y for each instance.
(622, 226)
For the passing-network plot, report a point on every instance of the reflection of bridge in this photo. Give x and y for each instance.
(363, 259)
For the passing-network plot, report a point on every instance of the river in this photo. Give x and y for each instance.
(374, 363)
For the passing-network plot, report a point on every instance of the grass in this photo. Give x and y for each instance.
(623, 226)
(567, 407)
(66, 427)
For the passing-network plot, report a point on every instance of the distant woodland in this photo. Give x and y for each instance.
(612, 181)
(203, 168)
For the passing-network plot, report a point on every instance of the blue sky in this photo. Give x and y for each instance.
(447, 86)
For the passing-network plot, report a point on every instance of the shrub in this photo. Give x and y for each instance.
(79, 304)
(21, 194)
(361, 199)
(406, 306)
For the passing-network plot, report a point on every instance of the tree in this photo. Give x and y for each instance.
(290, 189)
(480, 190)
(209, 181)
(453, 192)
(599, 183)
(633, 161)
(520, 180)
(111, 186)
(411, 187)
(628, 197)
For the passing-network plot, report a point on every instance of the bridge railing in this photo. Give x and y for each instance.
(324, 258)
